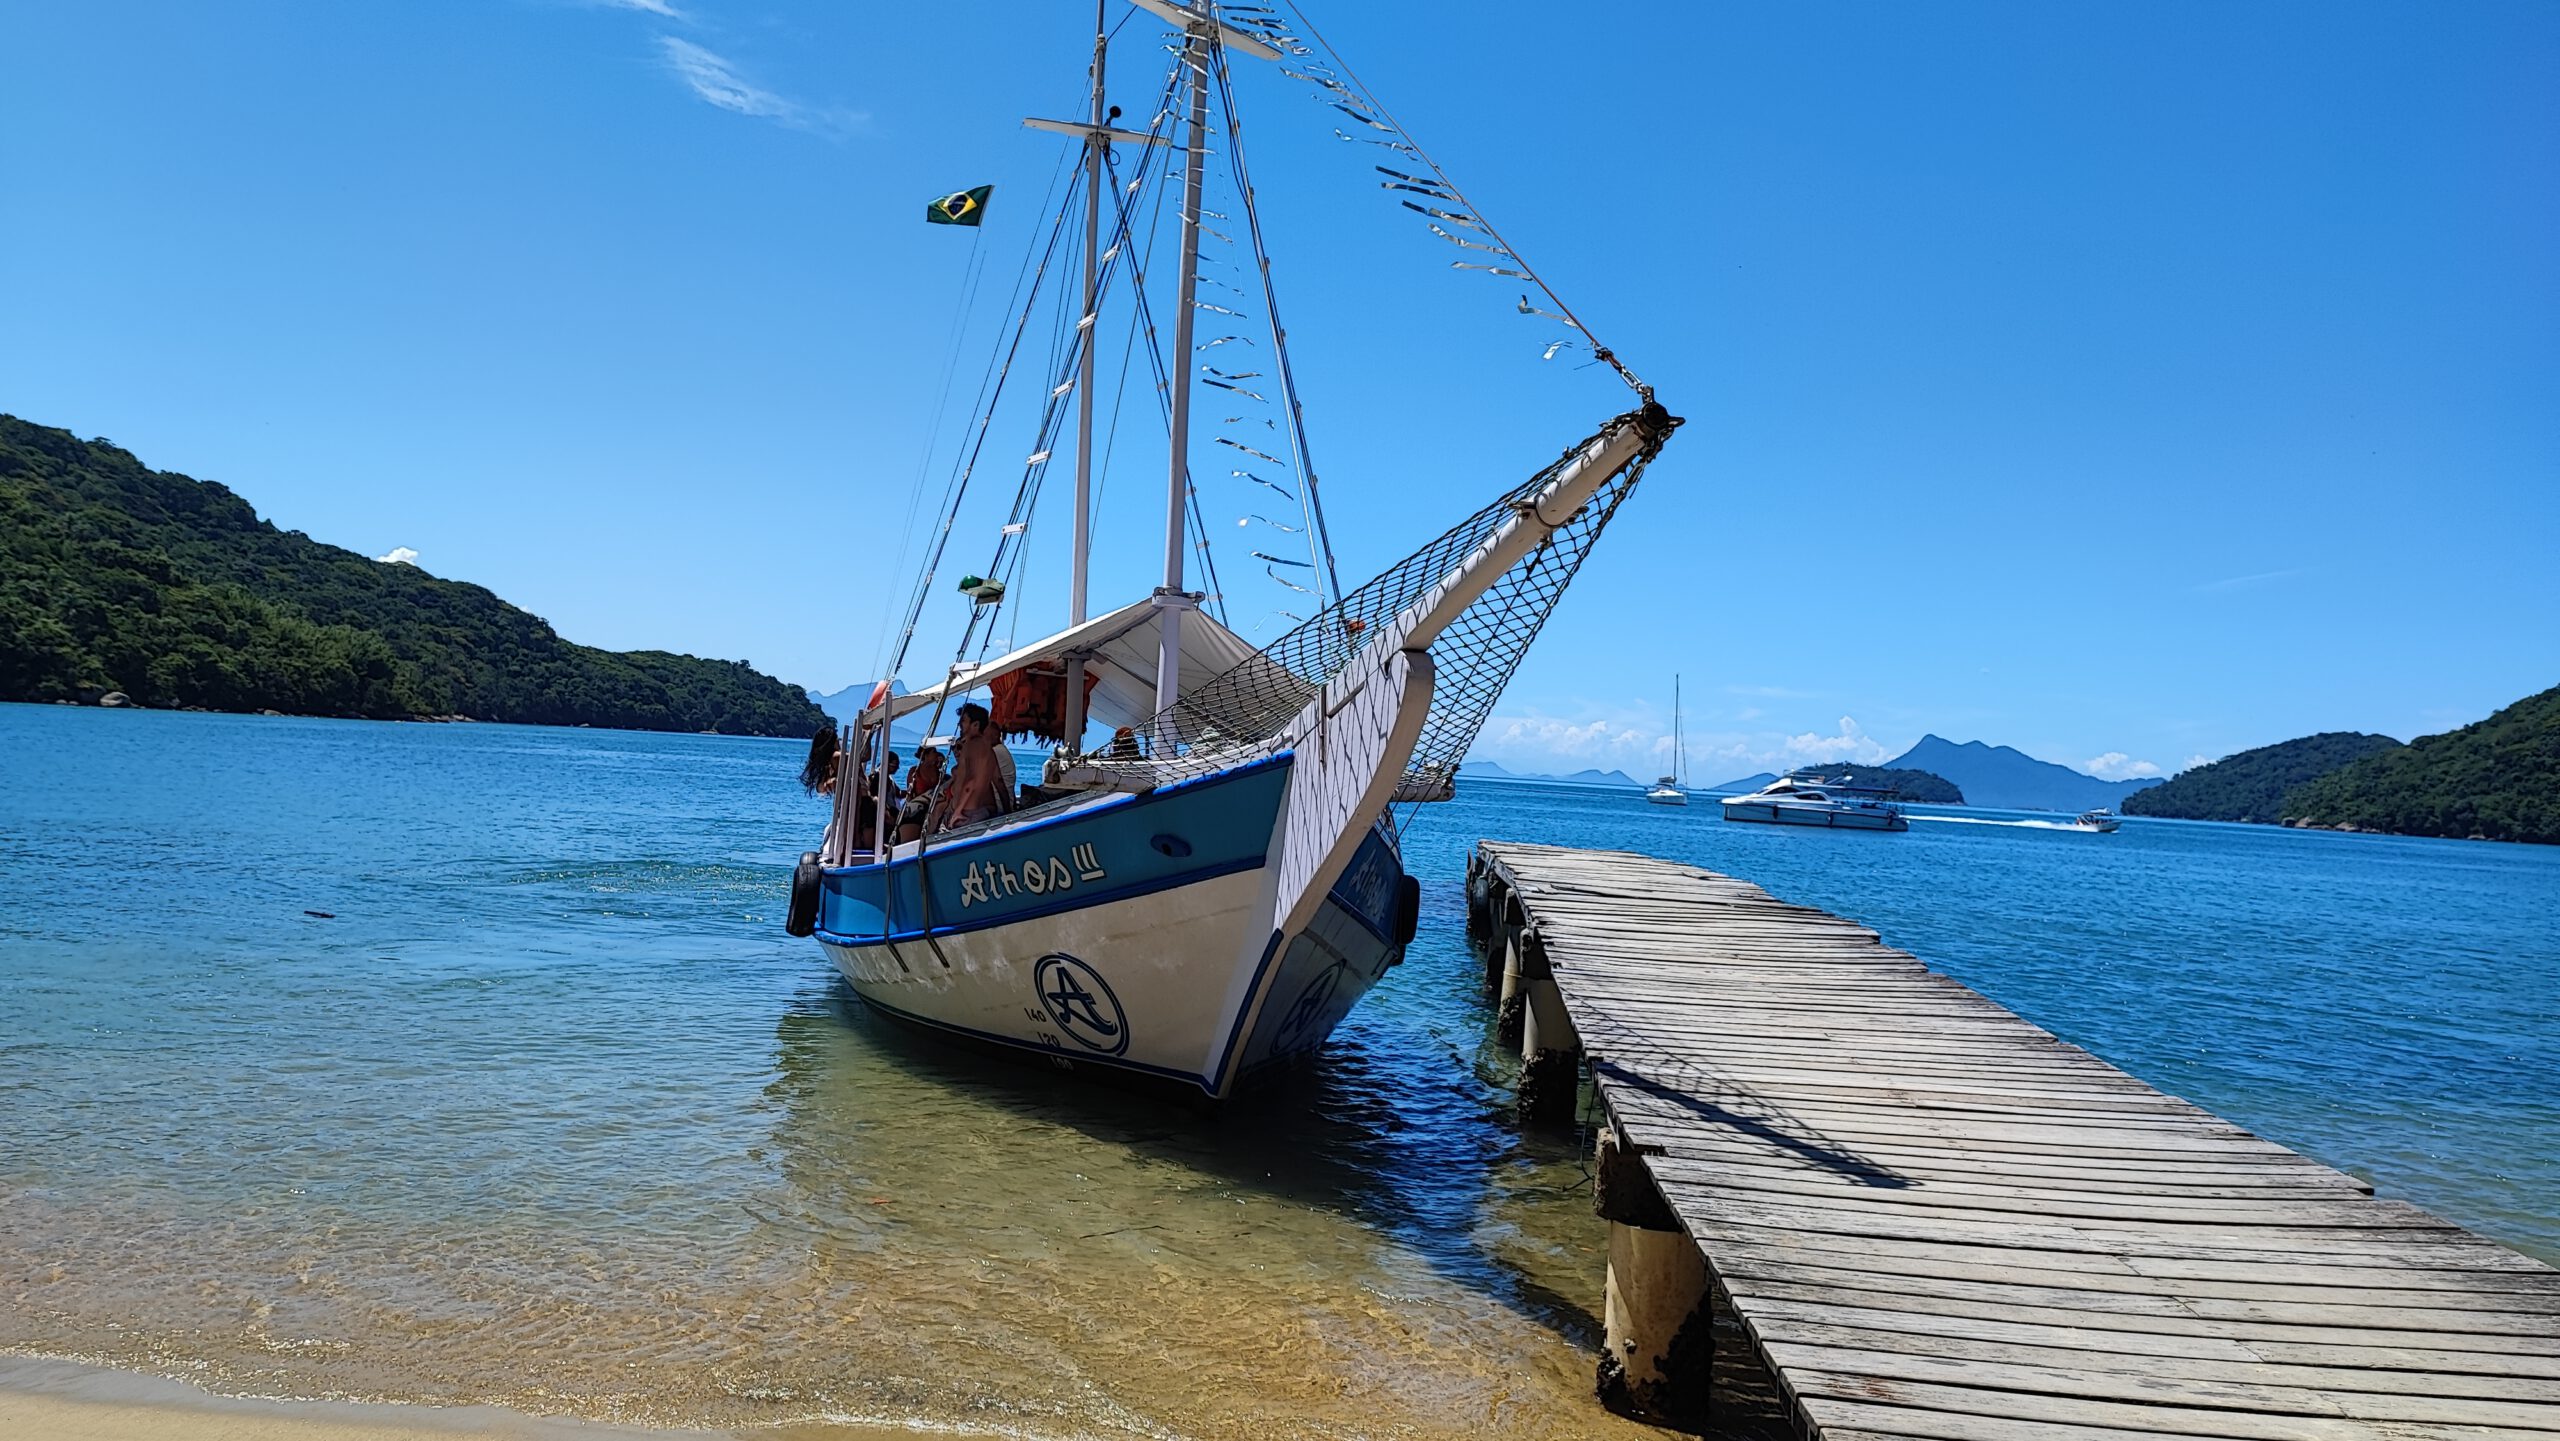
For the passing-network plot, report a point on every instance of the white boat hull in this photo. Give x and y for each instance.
(1667, 797)
(1148, 945)
(1781, 813)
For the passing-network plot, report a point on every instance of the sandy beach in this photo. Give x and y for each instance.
(46, 1400)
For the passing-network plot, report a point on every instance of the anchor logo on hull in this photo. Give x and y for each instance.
(1081, 1002)
(1298, 1027)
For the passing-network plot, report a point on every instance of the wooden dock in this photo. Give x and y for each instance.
(1930, 1218)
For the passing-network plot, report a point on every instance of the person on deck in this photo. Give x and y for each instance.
(981, 771)
(924, 788)
(818, 772)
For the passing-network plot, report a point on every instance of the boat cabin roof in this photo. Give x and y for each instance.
(1120, 652)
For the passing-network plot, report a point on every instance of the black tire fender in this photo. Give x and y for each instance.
(803, 918)
(1408, 910)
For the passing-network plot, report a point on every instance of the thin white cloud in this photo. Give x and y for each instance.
(2243, 582)
(714, 79)
(2117, 766)
(2194, 761)
(659, 8)
(1550, 744)
(400, 555)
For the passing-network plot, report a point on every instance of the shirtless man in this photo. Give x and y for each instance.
(977, 789)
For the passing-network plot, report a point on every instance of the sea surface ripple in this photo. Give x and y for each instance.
(545, 1111)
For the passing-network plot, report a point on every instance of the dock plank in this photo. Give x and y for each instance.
(1935, 1219)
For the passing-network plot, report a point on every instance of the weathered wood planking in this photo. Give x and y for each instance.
(1936, 1220)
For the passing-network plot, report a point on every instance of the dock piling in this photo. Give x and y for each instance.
(1550, 1047)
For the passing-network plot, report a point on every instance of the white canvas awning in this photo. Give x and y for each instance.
(1119, 649)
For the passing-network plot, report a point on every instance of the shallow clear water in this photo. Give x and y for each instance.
(550, 1113)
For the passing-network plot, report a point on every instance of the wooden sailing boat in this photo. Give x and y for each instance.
(1209, 893)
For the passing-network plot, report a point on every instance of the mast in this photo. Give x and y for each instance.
(1096, 132)
(1082, 554)
(1169, 598)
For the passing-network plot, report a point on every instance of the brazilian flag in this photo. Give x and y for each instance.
(966, 208)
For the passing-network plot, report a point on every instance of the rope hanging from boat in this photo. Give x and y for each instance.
(1223, 721)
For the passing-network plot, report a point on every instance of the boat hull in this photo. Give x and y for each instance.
(1667, 797)
(1148, 947)
(1823, 817)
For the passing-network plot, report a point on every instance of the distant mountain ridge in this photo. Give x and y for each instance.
(2252, 784)
(1495, 770)
(170, 590)
(2005, 778)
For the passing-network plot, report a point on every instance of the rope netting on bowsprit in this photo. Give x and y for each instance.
(1239, 712)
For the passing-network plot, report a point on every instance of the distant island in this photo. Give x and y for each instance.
(2005, 778)
(2496, 780)
(2252, 785)
(1920, 787)
(1492, 770)
(116, 579)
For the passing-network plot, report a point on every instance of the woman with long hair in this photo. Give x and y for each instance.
(818, 772)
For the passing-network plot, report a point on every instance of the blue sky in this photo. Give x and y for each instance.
(2128, 384)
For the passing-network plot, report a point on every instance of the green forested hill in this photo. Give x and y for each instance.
(2251, 785)
(1922, 787)
(117, 577)
(2498, 779)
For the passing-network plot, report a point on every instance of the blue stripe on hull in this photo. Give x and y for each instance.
(1117, 848)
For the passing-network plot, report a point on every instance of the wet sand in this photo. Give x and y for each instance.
(70, 1401)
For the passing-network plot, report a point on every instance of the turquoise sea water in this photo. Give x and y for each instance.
(547, 1111)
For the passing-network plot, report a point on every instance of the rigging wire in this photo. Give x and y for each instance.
(1475, 214)
(968, 466)
(973, 271)
(1310, 507)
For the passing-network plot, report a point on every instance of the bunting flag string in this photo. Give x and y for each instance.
(1266, 520)
(1284, 580)
(1390, 144)
(1527, 309)
(1555, 346)
(1453, 217)
(1224, 340)
(1470, 244)
(1249, 450)
(1283, 560)
(1238, 389)
(1258, 480)
(1332, 84)
(1231, 374)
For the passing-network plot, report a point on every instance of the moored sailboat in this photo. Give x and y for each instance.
(1671, 790)
(1208, 893)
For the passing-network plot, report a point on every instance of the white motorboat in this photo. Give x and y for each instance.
(1809, 800)
(2101, 820)
(1207, 892)
(1670, 790)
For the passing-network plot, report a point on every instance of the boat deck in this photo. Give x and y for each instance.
(1934, 1219)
